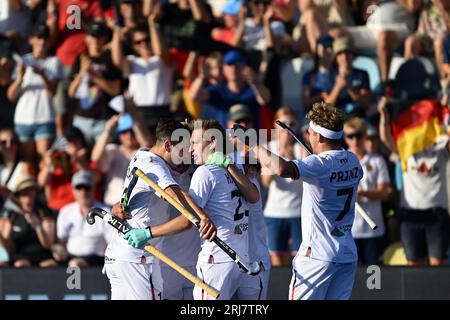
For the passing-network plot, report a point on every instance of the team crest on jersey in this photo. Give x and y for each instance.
(369, 168)
(240, 228)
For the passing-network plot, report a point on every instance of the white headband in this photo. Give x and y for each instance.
(326, 133)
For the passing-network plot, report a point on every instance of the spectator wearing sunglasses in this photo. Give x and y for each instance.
(283, 206)
(149, 70)
(85, 244)
(373, 188)
(11, 165)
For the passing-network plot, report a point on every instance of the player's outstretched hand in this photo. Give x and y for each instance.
(138, 237)
(119, 213)
(207, 229)
(219, 159)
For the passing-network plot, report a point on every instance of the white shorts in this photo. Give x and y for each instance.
(225, 277)
(131, 281)
(321, 280)
(366, 38)
(253, 287)
(173, 285)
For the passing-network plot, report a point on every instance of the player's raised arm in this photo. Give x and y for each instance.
(273, 164)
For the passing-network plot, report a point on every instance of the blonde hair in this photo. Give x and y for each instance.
(211, 127)
(355, 123)
(326, 116)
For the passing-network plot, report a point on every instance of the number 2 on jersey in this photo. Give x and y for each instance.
(349, 193)
(238, 216)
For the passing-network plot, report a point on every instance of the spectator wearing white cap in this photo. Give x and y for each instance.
(85, 244)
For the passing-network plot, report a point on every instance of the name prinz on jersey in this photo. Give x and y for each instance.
(344, 175)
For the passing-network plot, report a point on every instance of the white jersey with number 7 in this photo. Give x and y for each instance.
(330, 185)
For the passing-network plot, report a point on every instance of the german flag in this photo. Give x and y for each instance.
(416, 126)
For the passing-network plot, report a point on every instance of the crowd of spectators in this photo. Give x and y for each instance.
(83, 84)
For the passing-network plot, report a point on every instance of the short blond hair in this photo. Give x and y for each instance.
(327, 116)
(355, 123)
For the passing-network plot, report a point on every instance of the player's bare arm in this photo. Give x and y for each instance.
(245, 186)
(273, 164)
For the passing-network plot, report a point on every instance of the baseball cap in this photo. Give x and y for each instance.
(232, 7)
(83, 178)
(97, 29)
(234, 57)
(24, 181)
(41, 31)
(239, 111)
(343, 44)
(125, 123)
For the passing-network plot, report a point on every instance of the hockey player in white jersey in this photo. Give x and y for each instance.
(128, 265)
(255, 287)
(183, 248)
(325, 265)
(222, 195)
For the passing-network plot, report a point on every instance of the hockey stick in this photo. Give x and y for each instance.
(358, 208)
(123, 227)
(252, 268)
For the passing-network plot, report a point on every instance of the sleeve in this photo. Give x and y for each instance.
(62, 227)
(54, 69)
(201, 186)
(383, 173)
(310, 169)
(160, 174)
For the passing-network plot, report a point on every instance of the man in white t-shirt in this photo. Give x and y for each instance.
(222, 191)
(84, 243)
(325, 265)
(183, 248)
(128, 264)
(374, 188)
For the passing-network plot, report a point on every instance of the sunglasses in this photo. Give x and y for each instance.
(144, 40)
(357, 135)
(6, 142)
(81, 187)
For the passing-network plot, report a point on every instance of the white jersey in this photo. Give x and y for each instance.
(375, 173)
(214, 190)
(146, 207)
(258, 248)
(183, 247)
(330, 185)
